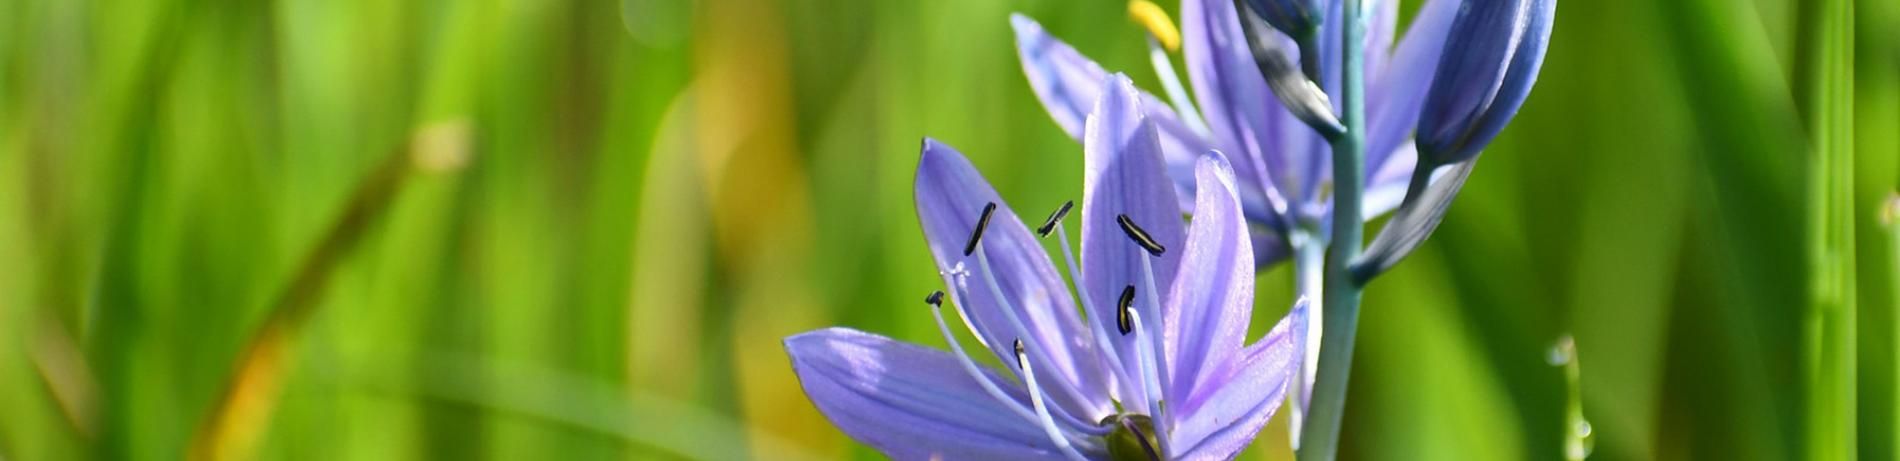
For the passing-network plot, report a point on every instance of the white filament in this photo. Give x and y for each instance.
(1102, 343)
(1009, 310)
(1042, 410)
(1146, 350)
(969, 366)
(1164, 68)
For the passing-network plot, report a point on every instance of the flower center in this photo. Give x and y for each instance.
(1134, 438)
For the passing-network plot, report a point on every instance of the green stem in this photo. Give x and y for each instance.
(1827, 89)
(1320, 436)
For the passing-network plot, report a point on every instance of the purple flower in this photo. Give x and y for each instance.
(1283, 166)
(1157, 368)
(1497, 47)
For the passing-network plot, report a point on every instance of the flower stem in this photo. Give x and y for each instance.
(1320, 436)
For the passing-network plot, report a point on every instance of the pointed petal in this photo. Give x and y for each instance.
(951, 195)
(1397, 92)
(909, 402)
(1212, 298)
(1219, 424)
(1246, 120)
(1124, 176)
(1492, 57)
(1068, 84)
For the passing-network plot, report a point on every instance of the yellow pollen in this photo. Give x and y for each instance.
(1154, 18)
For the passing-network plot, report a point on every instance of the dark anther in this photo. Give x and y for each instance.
(1019, 354)
(981, 223)
(1139, 236)
(1123, 320)
(1049, 225)
(935, 299)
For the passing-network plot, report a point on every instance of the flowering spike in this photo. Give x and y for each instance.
(1492, 55)
(935, 299)
(1140, 236)
(982, 222)
(1049, 225)
(1122, 308)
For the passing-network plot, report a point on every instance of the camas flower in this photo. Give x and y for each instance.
(1158, 367)
(1497, 48)
(1283, 166)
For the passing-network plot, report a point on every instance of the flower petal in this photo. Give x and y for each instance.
(910, 402)
(1397, 92)
(1492, 56)
(951, 195)
(1212, 298)
(1247, 122)
(1068, 84)
(1223, 421)
(1125, 176)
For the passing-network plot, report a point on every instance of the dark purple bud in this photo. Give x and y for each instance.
(1295, 18)
(1492, 55)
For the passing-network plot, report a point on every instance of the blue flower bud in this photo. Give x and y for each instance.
(1492, 55)
(1295, 18)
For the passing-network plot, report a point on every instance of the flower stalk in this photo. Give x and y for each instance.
(1320, 432)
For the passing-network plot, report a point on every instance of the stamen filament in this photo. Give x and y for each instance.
(1078, 424)
(1150, 342)
(1102, 343)
(1009, 311)
(1042, 409)
(1171, 83)
(1145, 346)
(1125, 321)
(970, 367)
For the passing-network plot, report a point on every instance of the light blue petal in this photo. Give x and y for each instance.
(951, 195)
(1124, 175)
(1222, 421)
(910, 402)
(1068, 84)
(1246, 120)
(1212, 298)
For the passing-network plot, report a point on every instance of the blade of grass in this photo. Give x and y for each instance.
(232, 428)
(1826, 96)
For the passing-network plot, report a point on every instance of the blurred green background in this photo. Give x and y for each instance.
(533, 229)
